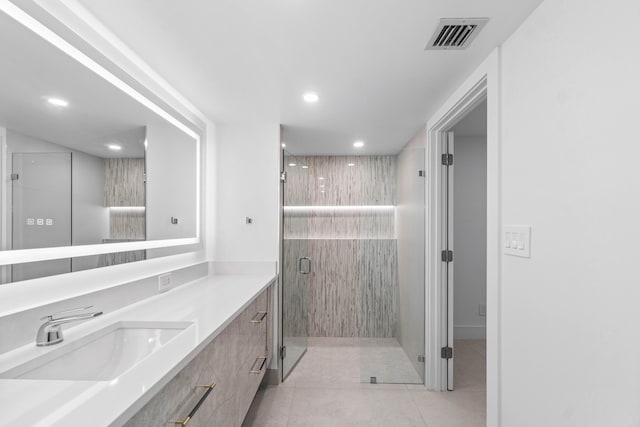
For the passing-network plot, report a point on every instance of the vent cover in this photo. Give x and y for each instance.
(455, 33)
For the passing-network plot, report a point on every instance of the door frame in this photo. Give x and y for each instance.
(483, 83)
(447, 286)
(4, 203)
(276, 378)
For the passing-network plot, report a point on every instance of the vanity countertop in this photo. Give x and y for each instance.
(211, 303)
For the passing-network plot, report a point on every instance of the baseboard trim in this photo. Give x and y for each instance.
(271, 377)
(470, 332)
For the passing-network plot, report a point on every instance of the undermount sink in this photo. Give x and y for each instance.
(102, 355)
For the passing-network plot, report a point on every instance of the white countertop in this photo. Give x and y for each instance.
(211, 303)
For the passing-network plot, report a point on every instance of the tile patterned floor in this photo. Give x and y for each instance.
(325, 389)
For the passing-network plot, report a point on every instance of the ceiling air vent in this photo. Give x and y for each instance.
(455, 33)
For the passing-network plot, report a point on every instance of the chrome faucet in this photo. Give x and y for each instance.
(50, 332)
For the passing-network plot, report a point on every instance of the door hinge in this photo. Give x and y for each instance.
(421, 358)
(447, 159)
(283, 352)
(447, 256)
(421, 173)
(283, 176)
(446, 353)
(15, 177)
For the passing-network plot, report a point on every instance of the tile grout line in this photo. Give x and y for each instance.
(294, 391)
(424, 422)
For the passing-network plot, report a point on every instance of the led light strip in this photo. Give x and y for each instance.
(125, 209)
(340, 208)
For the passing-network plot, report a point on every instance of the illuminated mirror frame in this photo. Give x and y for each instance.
(9, 257)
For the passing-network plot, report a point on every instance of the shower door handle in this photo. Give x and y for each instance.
(308, 269)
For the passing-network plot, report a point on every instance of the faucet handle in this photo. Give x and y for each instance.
(72, 310)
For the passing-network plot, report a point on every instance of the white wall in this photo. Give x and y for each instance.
(410, 223)
(570, 314)
(470, 235)
(89, 219)
(248, 185)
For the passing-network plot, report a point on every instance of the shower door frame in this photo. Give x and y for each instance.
(281, 345)
(484, 83)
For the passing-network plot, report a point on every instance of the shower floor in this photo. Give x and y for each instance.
(354, 360)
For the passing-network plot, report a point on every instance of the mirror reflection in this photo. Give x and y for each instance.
(62, 196)
(82, 162)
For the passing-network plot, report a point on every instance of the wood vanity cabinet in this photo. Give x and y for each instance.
(235, 361)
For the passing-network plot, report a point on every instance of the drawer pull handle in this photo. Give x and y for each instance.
(262, 359)
(259, 317)
(184, 422)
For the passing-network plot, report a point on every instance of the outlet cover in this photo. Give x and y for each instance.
(164, 282)
(482, 310)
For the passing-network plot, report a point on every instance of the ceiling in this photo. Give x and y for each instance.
(251, 61)
(98, 113)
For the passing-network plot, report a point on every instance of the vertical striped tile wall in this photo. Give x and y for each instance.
(124, 182)
(339, 223)
(295, 290)
(123, 187)
(352, 290)
(378, 287)
(371, 181)
(334, 295)
(127, 225)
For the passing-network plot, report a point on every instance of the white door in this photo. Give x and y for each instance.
(448, 257)
(41, 210)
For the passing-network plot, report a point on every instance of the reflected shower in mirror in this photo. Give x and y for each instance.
(84, 163)
(61, 196)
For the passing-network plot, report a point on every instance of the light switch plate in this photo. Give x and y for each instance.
(517, 240)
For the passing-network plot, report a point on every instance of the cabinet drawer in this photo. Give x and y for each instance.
(249, 380)
(176, 399)
(259, 326)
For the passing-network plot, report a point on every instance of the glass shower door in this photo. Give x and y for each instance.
(296, 263)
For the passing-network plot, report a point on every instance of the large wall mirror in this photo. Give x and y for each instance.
(83, 162)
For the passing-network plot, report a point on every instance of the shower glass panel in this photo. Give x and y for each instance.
(297, 265)
(392, 294)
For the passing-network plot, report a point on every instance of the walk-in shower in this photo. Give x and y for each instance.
(353, 261)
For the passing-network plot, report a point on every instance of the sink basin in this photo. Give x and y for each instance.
(102, 355)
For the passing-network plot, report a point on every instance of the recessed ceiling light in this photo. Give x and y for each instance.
(305, 167)
(358, 144)
(58, 102)
(284, 145)
(292, 164)
(114, 147)
(310, 97)
(351, 164)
